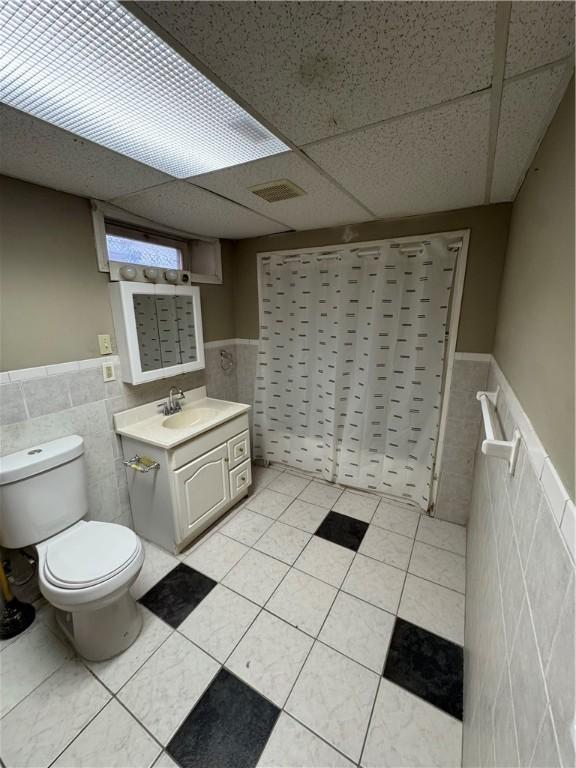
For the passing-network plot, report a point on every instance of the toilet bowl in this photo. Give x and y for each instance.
(85, 569)
(85, 573)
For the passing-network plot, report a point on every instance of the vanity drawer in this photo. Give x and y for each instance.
(240, 479)
(239, 449)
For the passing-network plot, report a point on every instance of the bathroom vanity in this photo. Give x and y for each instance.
(186, 469)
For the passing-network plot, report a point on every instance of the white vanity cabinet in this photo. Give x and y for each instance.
(195, 483)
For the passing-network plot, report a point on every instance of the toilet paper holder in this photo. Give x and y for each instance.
(141, 463)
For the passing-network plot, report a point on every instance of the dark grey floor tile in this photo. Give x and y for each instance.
(343, 530)
(177, 594)
(426, 665)
(228, 727)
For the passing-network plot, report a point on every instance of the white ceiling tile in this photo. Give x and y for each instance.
(183, 206)
(528, 105)
(36, 151)
(316, 69)
(323, 205)
(540, 32)
(432, 161)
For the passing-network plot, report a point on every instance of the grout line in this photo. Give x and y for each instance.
(90, 721)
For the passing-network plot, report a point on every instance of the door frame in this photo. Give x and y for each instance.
(455, 314)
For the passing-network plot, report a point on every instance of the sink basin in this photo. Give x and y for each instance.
(189, 418)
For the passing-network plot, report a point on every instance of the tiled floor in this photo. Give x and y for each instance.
(312, 627)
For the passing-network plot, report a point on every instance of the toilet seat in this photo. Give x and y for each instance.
(88, 565)
(89, 554)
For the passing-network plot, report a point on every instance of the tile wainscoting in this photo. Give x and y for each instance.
(41, 404)
(519, 690)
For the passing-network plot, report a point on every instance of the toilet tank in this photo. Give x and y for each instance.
(42, 491)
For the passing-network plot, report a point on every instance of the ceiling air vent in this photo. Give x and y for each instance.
(276, 191)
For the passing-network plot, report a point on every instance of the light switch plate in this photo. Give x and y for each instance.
(108, 373)
(105, 343)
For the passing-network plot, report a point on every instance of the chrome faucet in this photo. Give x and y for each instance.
(173, 404)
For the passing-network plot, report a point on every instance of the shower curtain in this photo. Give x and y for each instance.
(350, 363)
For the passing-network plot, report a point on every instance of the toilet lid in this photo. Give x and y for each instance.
(90, 554)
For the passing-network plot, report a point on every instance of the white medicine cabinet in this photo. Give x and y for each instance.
(158, 330)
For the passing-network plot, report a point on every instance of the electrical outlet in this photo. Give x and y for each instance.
(105, 343)
(108, 372)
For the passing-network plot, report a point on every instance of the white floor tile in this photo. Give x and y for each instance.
(292, 746)
(263, 476)
(269, 503)
(388, 547)
(218, 623)
(303, 515)
(114, 739)
(357, 506)
(165, 761)
(43, 724)
(324, 560)
(289, 484)
(270, 656)
(439, 565)
(27, 662)
(115, 672)
(396, 518)
(247, 527)
(43, 616)
(157, 563)
(321, 494)
(303, 601)
(358, 630)
(166, 688)
(441, 534)
(216, 556)
(333, 696)
(433, 607)
(376, 582)
(283, 542)
(256, 576)
(406, 731)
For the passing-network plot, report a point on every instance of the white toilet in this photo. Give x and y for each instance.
(85, 569)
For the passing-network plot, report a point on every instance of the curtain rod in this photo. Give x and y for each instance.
(412, 247)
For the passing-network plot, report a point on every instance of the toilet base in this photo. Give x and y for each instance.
(105, 632)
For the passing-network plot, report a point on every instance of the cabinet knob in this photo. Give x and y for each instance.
(241, 449)
(242, 479)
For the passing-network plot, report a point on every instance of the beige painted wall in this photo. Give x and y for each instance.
(53, 299)
(535, 332)
(489, 234)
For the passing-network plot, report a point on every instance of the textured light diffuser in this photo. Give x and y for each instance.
(97, 71)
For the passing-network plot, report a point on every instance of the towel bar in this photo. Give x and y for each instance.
(493, 445)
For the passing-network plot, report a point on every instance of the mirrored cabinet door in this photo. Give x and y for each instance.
(186, 328)
(159, 331)
(147, 330)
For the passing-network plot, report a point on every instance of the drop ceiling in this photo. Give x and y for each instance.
(389, 109)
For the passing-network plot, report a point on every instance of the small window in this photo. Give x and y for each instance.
(144, 248)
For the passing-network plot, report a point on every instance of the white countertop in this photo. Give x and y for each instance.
(147, 422)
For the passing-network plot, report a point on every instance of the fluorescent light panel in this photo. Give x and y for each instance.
(95, 70)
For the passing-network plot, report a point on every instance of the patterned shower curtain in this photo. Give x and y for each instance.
(350, 363)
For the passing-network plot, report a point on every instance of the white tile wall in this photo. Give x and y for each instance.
(519, 682)
(47, 402)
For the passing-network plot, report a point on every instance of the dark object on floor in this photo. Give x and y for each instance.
(16, 616)
(228, 727)
(426, 665)
(177, 594)
(343, 530)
